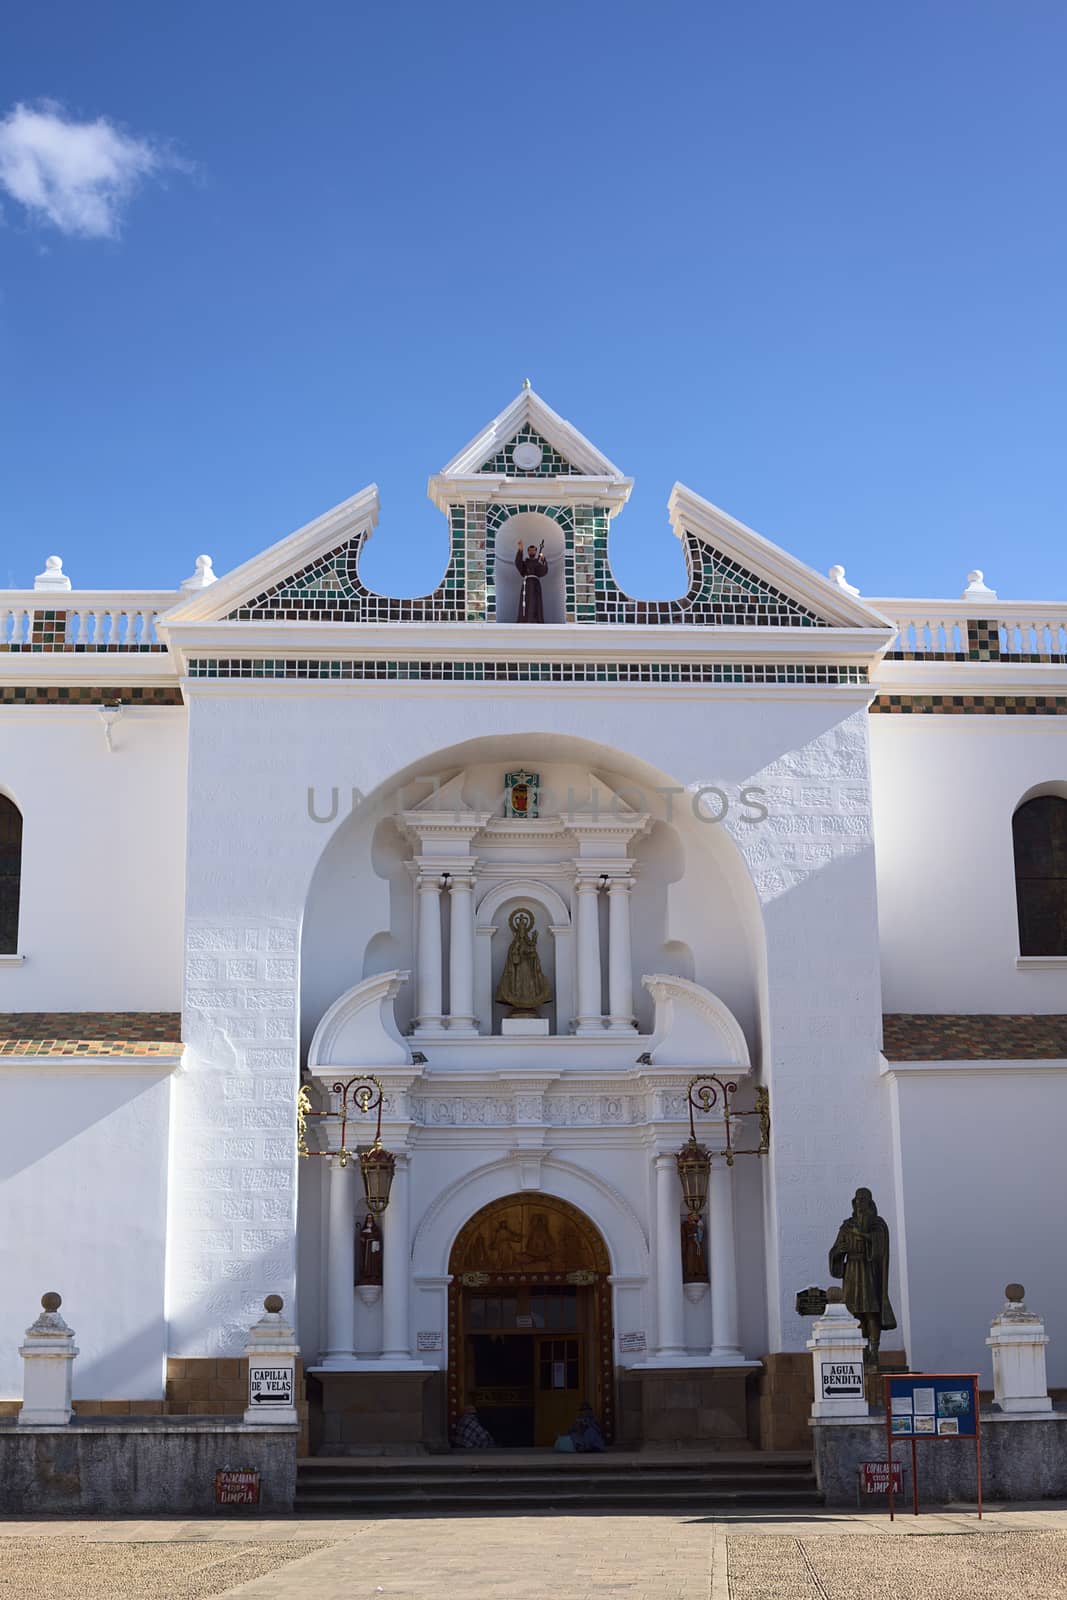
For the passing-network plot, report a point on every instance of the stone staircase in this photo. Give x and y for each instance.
(483, 1482)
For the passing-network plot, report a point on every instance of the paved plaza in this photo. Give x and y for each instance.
(1017, 1554)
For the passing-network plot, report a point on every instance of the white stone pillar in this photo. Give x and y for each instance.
(272, 1351)
(1017, 1339)
(47, 1368)
(722, 1265)
(461, 955)
(837, 1346)
(340, 1266)
(396, 1268)
(620, 962)
(428, 969)
(669, 1308)
(590, 1018)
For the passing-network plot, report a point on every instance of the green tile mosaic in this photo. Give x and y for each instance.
(304, 668)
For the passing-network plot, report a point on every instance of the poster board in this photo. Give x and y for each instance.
(925, 1407)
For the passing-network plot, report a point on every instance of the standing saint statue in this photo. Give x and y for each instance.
(532, 568)
(860, 1256)
(369, 1252)
(523, 985)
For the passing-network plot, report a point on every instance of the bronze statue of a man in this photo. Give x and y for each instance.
(860, 1256)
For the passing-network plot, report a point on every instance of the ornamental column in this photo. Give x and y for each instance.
(396, 1268)
(428, 966)
(461, 955)
(620, 963)
(669, 1307)
(590, 1017)
(340, 1267)
(722, 1265)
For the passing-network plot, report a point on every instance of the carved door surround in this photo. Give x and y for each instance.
(528, 1251)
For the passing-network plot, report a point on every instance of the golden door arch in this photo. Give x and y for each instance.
(529, 1320)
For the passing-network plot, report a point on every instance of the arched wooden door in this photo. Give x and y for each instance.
(529, 1320)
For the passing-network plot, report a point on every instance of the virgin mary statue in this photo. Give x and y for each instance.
(523, 985)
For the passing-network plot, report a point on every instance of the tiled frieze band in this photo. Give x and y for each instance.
(20, 694)
(90, 1033)
(990, 705)
(632, 672)
(913, 1036)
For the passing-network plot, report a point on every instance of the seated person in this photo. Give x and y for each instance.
(469, 1433)
(586, 1430)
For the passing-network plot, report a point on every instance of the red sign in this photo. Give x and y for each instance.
(237, 1486)
(874, 1477)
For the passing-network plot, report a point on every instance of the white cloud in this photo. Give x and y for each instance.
(76, 175)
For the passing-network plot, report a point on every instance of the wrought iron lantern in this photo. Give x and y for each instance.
(377, 1165)
(694, 1159)
(694, 1171)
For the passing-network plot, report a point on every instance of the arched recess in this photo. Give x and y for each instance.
(10, 874)
(529, 1318)
(1039, 841)
(529, 527)
(488, 928)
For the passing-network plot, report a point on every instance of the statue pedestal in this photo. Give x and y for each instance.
(1017, 1339)
(837, 1346)
(525, 1026)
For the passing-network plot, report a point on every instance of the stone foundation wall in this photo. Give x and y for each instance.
(1023, 1458)
(155, 1466)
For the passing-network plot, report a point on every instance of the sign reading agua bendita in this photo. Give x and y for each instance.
(842, 1380)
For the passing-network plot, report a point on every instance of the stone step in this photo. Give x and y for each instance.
(627, 1483)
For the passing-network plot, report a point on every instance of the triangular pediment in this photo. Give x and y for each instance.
(737, 576)
(530, 420)
(305, 570)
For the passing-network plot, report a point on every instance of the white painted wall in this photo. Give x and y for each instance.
(980, 1150)
(253, 851)
(103, 858)
(945, 789)
(83, 1175)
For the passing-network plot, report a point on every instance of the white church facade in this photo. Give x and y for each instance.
(271, 845)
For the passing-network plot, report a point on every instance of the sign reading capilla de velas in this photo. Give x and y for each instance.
(270, 1386)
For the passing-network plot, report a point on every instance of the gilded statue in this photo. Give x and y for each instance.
(860, 1257)
(523, 985)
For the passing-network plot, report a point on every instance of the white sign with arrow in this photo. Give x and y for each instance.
(270, 1386)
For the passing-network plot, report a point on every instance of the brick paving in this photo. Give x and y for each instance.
(1016, 1554)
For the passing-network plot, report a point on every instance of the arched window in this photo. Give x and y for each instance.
(1039, 828)
(10, 874)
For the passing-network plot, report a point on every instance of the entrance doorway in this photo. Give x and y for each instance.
(530, 1320)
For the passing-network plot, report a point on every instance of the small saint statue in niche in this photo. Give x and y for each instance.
(532, 567)
(694, 1255)
(369, 1252)
(523, 985)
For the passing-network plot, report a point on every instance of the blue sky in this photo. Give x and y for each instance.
(809, 259)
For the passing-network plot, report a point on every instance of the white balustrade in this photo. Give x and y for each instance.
(93, 619)
(936, 627)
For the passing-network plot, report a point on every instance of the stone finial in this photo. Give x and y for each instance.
(51, 1301)
(526, 383)
(273, 1303)
(202, 577)
(977, 588)
(837, 575)
(53, 577)
(1014, 1293)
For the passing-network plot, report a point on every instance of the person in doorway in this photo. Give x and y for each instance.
(585, 1431)
(469, 1433)
(532, 568)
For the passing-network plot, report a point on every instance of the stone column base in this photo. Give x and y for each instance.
(686, 1406)
(378, 1413)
